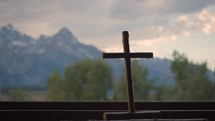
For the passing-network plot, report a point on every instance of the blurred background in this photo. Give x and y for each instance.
(52, 50)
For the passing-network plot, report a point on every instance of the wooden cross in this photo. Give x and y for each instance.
(127, 56)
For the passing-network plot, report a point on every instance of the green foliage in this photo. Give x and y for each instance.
(192, 82)
(19, 95)
(92, 80)
(85, 80)
(142, 85)
(55, 86)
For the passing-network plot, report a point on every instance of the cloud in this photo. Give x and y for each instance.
(182, 18)
(131, 10)
(204, 21)
(99, 22)
(154, 41)
(51, 15)
(185, 33)
(113, 49)
(182, 7)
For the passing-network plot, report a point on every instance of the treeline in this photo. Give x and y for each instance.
(85, 80)
(93, 80)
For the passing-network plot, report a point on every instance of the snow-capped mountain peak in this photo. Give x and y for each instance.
(27, 60)
(8, 27)
(66, 35)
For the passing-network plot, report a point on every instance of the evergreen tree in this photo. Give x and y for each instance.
(192, 82)
(56, 87)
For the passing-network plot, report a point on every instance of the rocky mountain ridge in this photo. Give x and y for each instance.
(28, 61)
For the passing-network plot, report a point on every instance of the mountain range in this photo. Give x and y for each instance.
(25, 61)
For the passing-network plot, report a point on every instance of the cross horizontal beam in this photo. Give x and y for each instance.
(128, 55)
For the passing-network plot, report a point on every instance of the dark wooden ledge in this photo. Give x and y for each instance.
(62, 111)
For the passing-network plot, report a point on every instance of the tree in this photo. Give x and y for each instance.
(84, 80)
(142, 85)
(55, 86)
(192, 82)
(18, 94)
(165, 93)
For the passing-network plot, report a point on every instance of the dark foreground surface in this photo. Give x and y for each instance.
(67, 111)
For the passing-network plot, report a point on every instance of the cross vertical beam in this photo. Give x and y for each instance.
(126, 48)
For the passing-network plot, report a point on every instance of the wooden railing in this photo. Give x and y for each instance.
(66, 111)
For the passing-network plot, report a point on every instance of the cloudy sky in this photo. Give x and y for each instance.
(160, 26)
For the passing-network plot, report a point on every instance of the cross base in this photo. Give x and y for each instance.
(128, 115)
(156, 115)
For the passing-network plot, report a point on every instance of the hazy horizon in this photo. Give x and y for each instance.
(160, 27)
